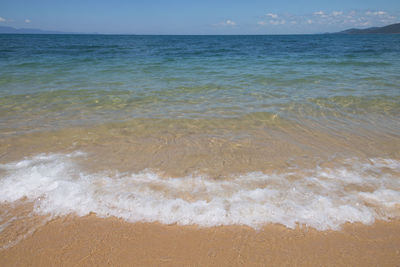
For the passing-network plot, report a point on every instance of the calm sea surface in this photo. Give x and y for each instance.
(208, 130)
(51, 81)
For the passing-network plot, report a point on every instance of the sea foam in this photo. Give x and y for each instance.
(322, 198)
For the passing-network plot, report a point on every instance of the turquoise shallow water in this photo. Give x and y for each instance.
(51, 81)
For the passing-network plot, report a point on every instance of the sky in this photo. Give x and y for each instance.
(198, 17)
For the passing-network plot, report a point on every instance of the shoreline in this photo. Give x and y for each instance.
(93, 241)
(221, 145)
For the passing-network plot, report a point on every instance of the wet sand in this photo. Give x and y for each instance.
(92, 241)
(179, 150)
(216, 148)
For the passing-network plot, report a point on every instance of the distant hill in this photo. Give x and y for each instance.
(389, 29)
(6, 29)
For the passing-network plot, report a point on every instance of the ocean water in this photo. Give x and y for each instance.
(300, 130)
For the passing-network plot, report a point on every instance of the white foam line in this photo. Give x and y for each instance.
(321, 198)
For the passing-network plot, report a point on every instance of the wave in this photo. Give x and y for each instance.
(322, 198)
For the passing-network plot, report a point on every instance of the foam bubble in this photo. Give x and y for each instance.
(322, 198)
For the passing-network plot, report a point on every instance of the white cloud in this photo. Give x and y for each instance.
(277, 22)
(272, 22)
(337, 13)
(274, 16)
(227, 22)
(321, 14)
(230, 22)
(332, 20)
(376, 13)
(2, 19)
(27, 21)
(366, 23)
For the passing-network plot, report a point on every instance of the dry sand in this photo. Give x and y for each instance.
(91, 241)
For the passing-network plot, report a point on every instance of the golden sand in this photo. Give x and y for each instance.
(178, 150)
(91, 241)
(216, 148)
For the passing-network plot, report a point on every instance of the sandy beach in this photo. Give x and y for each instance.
(91, 241)
(32, 240)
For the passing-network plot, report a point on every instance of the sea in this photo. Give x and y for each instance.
(296, 130)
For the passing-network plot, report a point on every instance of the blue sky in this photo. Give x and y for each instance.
(198, 17)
